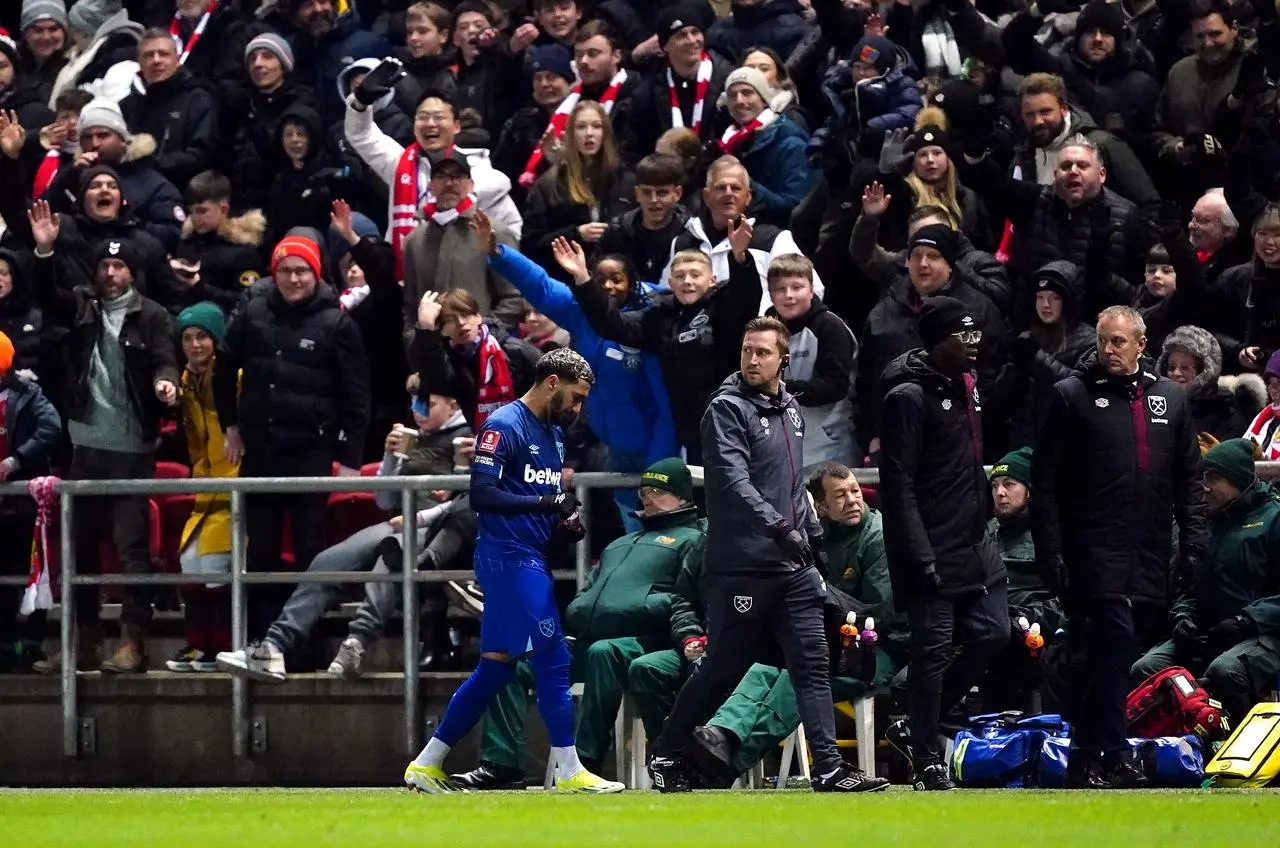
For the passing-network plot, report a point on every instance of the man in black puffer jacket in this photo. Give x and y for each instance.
(1116, 463)
(946, 572)
(301, 403)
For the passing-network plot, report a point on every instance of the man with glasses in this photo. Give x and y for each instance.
(946, 572)
(441, 253)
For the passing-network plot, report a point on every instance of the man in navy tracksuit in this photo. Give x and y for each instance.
(629, 409)
(765, 592)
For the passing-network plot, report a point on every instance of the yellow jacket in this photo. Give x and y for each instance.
(211, 516)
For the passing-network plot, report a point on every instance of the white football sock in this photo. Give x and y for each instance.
(568, 762)
(433, 754)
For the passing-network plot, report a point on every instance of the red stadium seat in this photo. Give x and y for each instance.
(171, 471)
(370, 469)
(351, 512)
(871, 496)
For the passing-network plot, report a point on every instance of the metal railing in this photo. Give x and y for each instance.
(408, 487)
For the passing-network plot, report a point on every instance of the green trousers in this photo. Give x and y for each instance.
(653, 682)
(601, 667)
(1239, 677)
(762, 711)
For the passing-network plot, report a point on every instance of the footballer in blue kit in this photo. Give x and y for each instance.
(521, 509)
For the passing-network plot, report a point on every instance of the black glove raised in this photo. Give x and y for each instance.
(564, 504)
(795, 544)
(378, 82)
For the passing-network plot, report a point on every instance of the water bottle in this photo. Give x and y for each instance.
(849, 644)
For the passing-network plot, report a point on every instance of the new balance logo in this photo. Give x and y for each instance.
(543, 476)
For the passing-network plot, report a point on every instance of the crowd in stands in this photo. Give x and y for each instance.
(237, 242)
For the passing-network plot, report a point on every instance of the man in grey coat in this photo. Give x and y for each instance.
(765, 593)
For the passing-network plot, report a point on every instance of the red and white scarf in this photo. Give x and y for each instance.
(1268, 442)
(408, 190)
(445, 217)
(737, 139)
(38, 594)
(702, 83)
(175, 29)
(496, 389)
(560, 121)
(48, 169)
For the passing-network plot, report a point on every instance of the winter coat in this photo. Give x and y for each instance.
(40, 72)
(217, 58)
(1242, 571)
(649, 113)
(1222, 407)
(211, 514)
(181, 114)
(146, 337)
(780, 172)
(378, 316)
(33, 428)
(1248, 306)
(755, 492)
(20, 319)
(688, 598)
(1189, 303)
(628, 407)
(859, 567)
(933, 489)
(1121, 90)
(779, 24)
(1191, 96)
(863, 112)
(698, 345)
(304, 388)
(427, 74)
(767, 243)
(318, 63)
(494, 85)
(1116, 462)
(979, 268)
(440, 258)
(230, 258)
(629, 593)
(824, 356)
(890, 332)
(154, 200)
(1029, 595)
(648, 250)
(302, 196)
(382, 154)
(520, 135)
(80, 236)
(250, 160)
(550, 214)
(29, 99)
(106, 67)
(1125, 174)
(446, 371)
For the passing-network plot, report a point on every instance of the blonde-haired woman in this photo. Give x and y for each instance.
(925, 162)
(579, 195)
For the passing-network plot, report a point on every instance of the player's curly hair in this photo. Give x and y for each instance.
(565, 363)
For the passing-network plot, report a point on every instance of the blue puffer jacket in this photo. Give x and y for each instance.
(628, 407)
(781, 175)
(862, 113)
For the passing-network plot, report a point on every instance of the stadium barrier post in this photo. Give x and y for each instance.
(409, 605)
(239, 687)
(67, 625)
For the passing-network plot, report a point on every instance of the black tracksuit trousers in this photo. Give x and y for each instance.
(751, 618)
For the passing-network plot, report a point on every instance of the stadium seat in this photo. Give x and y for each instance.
(350, 512)
(863, 713)
(370, 469)
(871, 496)
(171, 471)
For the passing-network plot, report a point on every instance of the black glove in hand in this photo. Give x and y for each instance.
(795, 544)
(565, 503)
(1186, 637)
(569, 531)
(1251, 79)
(378, 82)
(1023, 349)
(1227, 634)
(931, 579)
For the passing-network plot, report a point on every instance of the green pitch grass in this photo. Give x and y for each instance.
(759, 819)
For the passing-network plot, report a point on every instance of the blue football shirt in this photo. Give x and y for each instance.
(526, 455)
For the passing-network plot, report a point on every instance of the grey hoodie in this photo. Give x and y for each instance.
(752, 446)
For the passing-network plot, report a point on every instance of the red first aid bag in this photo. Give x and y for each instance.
(1172, 703)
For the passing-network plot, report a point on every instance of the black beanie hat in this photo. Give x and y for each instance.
(123, 249)
(938, 236)
(673, 18)
(1054, 283)
(930, 135)
(1099, 14)
(940, 317)
(88, 174)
